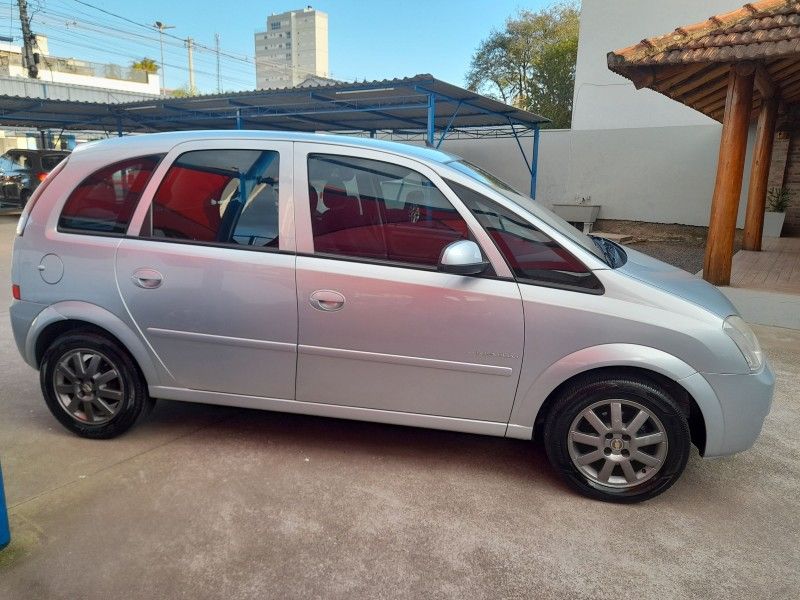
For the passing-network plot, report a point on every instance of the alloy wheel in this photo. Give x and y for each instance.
(617, 443)
(88, 386)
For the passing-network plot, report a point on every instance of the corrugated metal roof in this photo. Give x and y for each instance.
(391, 104)
(40, 88)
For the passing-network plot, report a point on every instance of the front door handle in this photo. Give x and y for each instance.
(148, 279)
(327, 300)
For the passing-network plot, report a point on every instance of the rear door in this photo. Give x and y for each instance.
(379, 326)
(208, 276)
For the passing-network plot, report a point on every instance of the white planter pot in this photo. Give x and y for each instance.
(773, 223)
(578, 213)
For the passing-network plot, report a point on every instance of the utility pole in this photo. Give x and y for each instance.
(189, 45)
(28, 40)
(216, 48)
(161, 27)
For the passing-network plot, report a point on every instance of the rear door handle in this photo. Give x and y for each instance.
(148, 279)
(327, 300)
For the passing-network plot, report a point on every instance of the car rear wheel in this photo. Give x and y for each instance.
(92, 386)
(617, 439)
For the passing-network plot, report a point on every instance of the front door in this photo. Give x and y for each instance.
(379, 326)
(209, 280)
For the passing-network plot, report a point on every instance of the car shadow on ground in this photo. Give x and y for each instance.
(347, 439)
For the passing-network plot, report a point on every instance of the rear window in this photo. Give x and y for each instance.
(104, 202)
(50, 161)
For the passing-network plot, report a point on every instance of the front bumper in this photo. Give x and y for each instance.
(734, 408)
(745, 401)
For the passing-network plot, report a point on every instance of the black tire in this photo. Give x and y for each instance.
(134, 403)
(581, 395)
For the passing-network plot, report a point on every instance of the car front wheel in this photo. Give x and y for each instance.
(617, 439)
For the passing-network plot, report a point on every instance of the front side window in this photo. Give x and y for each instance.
(367, 209)
(531, 254)
(104, 202)
(222, 196)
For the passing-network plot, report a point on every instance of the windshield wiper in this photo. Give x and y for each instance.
(615, 256)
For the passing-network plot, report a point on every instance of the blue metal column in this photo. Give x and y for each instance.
(238, 118)
(535, 160)
(119, 126)
(431, 118)
(5, 531)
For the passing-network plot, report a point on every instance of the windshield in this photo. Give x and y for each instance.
(550, 218)
(14, 161)
(7, 165)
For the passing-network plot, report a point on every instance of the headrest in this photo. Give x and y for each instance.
(415, 197)
(334, 197)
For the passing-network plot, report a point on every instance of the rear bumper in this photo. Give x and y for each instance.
(23, 314)
(745, 401)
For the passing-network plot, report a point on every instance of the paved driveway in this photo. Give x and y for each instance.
(211, 502)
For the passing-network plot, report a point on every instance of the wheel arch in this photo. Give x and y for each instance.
(686, 402)
(694, 394)
(75, 316)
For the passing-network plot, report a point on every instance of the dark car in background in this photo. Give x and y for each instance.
(21, 172)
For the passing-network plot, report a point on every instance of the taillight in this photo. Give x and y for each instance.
(41, 176)
(15, 291)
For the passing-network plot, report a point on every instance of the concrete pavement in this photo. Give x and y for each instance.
(209, 502)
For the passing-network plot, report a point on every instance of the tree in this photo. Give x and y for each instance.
(181, 92)
(531, 62)
(148, 65)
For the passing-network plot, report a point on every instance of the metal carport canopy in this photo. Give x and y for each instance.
(421, 105)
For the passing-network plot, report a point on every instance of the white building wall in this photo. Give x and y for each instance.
(638, 154)
(151, 87)
(605, 100)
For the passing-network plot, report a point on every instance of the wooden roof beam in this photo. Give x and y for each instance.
(718, 72)
(763, 82)
(674, 74)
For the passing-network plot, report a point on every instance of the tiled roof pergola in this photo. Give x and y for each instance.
(732, 67)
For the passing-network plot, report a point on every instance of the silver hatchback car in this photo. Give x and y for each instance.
(360, 279)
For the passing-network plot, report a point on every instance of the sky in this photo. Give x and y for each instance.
(373, 40)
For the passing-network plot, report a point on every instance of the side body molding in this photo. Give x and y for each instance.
(529, 401)
(91, 313)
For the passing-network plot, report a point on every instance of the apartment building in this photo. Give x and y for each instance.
(293, 47)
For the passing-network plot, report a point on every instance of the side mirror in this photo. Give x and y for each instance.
(462, 258)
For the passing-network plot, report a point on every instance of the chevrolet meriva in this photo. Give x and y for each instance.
(361, 279)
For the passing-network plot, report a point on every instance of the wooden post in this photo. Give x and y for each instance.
(759, 174)
(730, 168)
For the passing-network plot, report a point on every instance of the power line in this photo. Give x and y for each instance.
(241, 57)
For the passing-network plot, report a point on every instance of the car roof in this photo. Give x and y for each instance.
(161, 142)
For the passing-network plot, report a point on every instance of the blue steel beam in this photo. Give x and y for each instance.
(304, 119)
(535, 161)
(267, 113)
(431, 120)
(374, 110)
(466, 102)
(449, 125)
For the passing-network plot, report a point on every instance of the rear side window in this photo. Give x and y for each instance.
(222, 196)
(104, 202)
(531, 254)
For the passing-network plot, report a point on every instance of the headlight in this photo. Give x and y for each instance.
(745, 340)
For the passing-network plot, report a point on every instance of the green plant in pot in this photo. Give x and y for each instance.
(777, 202)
